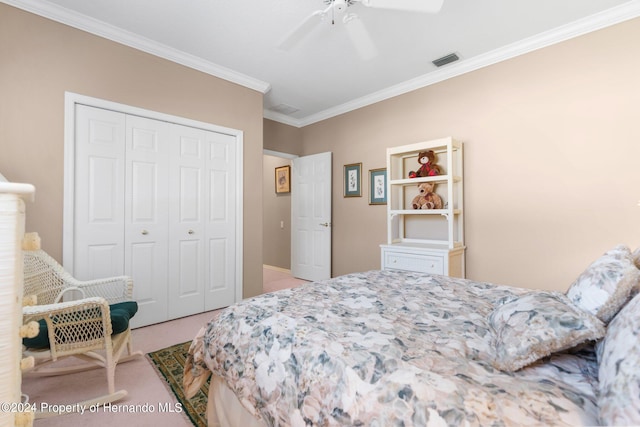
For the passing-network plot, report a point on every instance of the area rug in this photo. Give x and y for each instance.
(169, 362)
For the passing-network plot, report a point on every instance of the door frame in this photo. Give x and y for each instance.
(284, 156)
(70, 101)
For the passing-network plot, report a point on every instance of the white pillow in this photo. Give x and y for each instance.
(636, 257)
(606, 285)
(537, 324)
(619, 373)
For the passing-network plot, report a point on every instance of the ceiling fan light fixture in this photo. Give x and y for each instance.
(340, 5)
(355, 28)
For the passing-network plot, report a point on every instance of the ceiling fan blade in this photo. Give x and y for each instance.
(360, 37)
(425, 6)
(299, 32)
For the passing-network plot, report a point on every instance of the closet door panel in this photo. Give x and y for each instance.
(98, 204)
(220, 220)
(146, 217)
(219, 271)
(189, 265)
(187, 251)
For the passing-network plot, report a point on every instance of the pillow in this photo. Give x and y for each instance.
(537, 324)
(619, 374)
(606, 285)
(636, 257)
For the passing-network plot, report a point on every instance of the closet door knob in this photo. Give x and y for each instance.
(145, 232)
(190, 231)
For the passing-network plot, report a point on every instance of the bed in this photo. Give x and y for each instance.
(396, 348)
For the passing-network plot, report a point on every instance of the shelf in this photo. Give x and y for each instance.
(432, 245)
(424, 211)
(439, 146)
(438, 179)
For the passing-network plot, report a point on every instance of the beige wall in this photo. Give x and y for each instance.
(41, 59)
(277, 207)
(282, 138)
(276, 249)
(552, 142)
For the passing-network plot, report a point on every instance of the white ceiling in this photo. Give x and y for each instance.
(323, 76)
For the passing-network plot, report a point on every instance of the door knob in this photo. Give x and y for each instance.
(325, 224)
(190, 231)
(145, 232)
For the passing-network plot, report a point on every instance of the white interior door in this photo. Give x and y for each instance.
(220, 221)
(146, 217)
(98, 198)
(202, 221)
(187, 231)
(311, 217)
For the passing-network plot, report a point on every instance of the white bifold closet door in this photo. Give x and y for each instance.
(156, 201)
(202, 217)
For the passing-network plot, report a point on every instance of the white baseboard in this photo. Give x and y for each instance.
(271, 267)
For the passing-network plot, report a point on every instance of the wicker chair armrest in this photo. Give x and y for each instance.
(68, 290)
(37, 312)
(113, 289)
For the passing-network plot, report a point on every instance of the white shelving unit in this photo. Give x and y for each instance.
(425, 240)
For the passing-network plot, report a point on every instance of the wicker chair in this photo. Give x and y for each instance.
(92, 323)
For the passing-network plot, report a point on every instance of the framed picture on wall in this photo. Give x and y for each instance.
(283, 179)
(378, 186)
(353, 180)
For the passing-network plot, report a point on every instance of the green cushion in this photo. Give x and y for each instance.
(121, 313)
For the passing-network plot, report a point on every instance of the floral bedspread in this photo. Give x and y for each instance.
(386, 348)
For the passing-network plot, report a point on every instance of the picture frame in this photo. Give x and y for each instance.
(378, 186)
(353, 180)
(283, 179)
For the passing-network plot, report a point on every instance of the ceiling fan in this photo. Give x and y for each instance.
(355, 28)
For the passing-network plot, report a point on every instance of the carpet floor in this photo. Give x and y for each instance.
(169, 362)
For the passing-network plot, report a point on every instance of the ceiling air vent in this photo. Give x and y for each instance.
(447, 59)
(284, 109)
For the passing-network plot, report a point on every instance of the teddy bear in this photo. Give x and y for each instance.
(31, 241)
(427, 165)
(427, 199)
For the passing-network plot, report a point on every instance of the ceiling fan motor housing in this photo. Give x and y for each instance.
(340, 5)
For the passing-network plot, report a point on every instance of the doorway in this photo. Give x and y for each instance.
(276, 220)
(310, 231)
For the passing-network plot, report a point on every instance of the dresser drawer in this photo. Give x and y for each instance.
(414, 262)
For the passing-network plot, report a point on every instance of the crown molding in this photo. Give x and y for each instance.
(282, 118)
(118, 35)
(609, 17)
(279, 154)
